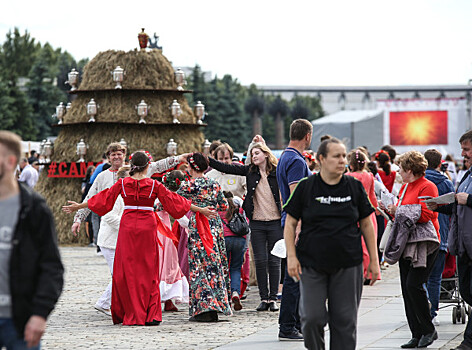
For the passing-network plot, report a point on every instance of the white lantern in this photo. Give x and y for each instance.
(92, 109)
(81, 150)
(171, 147)
(118, 75)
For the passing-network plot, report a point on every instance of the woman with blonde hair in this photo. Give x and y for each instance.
(262, 207)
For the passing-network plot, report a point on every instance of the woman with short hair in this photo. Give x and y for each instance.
(412, 277)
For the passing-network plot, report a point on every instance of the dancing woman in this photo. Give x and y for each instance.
(262, 207)
(135, 291)
(208, 264)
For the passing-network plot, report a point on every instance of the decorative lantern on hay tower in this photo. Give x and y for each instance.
(101, 113)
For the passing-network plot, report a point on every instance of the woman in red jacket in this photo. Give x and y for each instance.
(412, 170)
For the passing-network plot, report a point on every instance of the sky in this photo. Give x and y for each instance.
(297, 42)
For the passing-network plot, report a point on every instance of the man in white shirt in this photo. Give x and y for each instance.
(228, 182)
(29, 175)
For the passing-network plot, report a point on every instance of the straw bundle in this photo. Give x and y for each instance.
(119, 106)
(143, 70)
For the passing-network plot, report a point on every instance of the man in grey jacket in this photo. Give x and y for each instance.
(460, 232)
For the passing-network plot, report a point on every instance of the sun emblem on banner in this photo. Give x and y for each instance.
(418, 128)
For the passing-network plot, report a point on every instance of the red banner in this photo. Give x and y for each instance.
(64, 169)
(418, 128)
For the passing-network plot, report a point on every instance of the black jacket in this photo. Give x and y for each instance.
(252, 180)
(36, 271)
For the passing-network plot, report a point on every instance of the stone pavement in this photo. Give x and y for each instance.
(76, 325)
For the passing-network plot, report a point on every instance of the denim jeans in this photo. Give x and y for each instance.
(9, 337)
(264, 234)
(464, 269)
(434, 282)
(235, 249)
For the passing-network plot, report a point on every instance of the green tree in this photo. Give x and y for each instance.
(255, 107)
(17, 55)
(43, 93)
(15, 112)
(279, 109)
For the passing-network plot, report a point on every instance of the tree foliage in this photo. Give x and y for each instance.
(32, 80)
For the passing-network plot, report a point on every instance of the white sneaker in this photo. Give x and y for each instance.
(101, 309)
(436, 321)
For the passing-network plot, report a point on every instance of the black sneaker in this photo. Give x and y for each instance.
(291, 336)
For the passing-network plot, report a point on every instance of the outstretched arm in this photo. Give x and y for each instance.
(163, 165)
(235, 169)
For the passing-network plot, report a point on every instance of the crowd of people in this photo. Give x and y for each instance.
(194, 235)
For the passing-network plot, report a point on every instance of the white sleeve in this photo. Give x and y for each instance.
(82, 214)
(162, 165)
(183, 221)
(113, 218)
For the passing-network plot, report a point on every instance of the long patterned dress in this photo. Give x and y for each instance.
(209, 274)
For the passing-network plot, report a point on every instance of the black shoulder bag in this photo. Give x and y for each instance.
(238, 225)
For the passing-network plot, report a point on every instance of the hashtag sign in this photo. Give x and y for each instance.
(52, 169)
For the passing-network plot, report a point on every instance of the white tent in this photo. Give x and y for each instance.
(354, 128)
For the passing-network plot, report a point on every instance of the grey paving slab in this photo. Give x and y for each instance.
(76, 325)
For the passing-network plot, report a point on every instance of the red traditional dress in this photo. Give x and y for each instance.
(135, 292)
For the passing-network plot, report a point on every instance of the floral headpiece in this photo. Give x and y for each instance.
(357, 157)
(192, 163)
(380, 152)
(145, 152)
(309, 156)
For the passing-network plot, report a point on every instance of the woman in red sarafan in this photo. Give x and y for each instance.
(135, 292)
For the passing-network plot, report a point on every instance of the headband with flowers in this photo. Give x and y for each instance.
(192, 163)
(309, 156)
(176, 182)
(145, 152)
(357, 157)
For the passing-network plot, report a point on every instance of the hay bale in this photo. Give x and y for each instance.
(119, 106)
(57, 191)
(143, 70)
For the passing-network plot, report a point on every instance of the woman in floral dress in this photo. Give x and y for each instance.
(208, 264)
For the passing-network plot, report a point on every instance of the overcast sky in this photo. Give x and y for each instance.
(328, 42)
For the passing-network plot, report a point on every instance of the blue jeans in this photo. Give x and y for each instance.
(434, 282)
(9, 336)
(464, 269)
(235, 249)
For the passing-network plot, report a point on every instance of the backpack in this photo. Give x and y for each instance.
(238, 225)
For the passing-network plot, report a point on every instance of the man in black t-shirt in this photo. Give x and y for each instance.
(335, 211)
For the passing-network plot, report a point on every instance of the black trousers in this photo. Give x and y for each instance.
(414, 295)
(264, 234)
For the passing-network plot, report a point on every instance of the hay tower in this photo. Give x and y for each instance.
(149, 76)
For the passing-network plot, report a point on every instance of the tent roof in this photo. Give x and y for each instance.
(348, 116)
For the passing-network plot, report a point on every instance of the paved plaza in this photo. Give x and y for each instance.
(75, 324)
